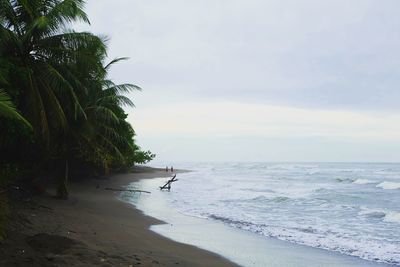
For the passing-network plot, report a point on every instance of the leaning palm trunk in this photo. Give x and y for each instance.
(62, 191)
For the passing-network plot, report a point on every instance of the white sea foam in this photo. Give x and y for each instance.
(372, 213)
(389, 185)
(393, 217)
(363, 181)
(385, 215)
(286, 202)
(340, 242)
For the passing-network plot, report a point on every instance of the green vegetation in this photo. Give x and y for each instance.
(60, 114)
(8, 110)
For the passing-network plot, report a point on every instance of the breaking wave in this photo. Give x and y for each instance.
(389, 185)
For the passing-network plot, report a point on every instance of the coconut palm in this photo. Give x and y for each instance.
(57, 79)
(35, 39)
(102, 136)
(41, 53)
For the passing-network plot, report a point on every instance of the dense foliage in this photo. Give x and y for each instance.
(59, 112)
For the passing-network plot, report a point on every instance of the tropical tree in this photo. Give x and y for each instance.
(40, 51)
(58, 80)
(8, 113)
(100, 135)
(8, 110)
(35, 39)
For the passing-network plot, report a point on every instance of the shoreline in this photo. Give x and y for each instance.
(229, 241)
(94, 228)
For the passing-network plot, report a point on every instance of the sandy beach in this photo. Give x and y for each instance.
(93, 228)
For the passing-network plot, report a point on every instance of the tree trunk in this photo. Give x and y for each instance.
(62, 191)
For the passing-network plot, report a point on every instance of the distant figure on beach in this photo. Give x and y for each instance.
(166, 168)
(172, 168)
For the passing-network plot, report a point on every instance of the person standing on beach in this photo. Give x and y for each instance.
(172, 168)
(166, 168)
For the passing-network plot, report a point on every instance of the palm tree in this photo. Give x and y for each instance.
(57, 79)
(34, 38)
(106, 119)
(42, 53)
(98, 136)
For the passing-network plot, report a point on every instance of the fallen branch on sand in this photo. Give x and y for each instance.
(168, 183)
(127, 190)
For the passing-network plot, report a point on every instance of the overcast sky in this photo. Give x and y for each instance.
(259, 80)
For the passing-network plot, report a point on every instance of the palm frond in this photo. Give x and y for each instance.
(123, 88)
(53, 72)
(102, 113)
(119, 100)
(67, 11)
(8, 110)
(8, 16)
(114, 61)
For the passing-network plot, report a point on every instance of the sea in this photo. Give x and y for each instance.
(347, 208)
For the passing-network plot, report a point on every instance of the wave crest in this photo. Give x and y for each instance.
(363, 181)
(393, 217)
(377, 214)
(389, 185)
(385, 215)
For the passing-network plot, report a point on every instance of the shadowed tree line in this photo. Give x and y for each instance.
(60, 114)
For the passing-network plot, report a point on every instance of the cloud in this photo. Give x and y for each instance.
(272, 80)
(311, 53)
(229, 131)
(230, 119)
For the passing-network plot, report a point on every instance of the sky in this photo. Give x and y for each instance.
(258, 80)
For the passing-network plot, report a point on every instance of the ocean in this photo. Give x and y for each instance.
(347, 208)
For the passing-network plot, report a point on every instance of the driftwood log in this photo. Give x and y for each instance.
(167, 185)
(127, 190)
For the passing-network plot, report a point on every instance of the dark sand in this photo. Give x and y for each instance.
(93, 228)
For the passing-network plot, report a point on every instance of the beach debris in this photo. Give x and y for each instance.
(167, 185)
(127, 190)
